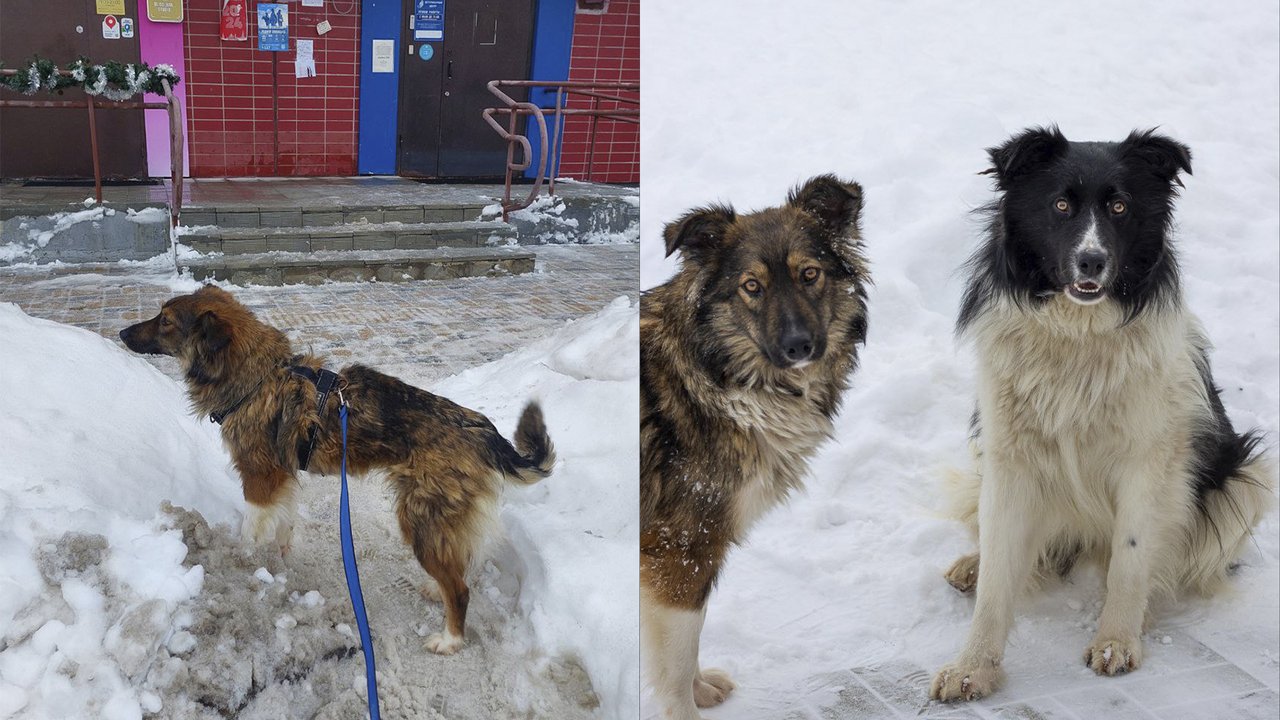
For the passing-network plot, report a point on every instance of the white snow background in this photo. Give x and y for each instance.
(93, 439)
(744, 98)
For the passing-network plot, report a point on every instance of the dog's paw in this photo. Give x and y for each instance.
(1111, 656)
(966, 681)
(711, 687)
(963, 575)
(444, 643)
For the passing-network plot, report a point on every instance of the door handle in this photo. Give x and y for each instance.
(448, 71)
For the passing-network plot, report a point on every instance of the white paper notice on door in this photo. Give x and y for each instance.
(384, 53)
(304, 64)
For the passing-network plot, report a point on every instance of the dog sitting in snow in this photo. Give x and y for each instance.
(744, 356)
(445, 462)
(1099, 431)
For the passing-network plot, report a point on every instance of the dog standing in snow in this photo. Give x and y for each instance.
(1099, 432)
(445, 462)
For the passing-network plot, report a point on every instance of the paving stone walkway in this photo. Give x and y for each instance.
(423, 330)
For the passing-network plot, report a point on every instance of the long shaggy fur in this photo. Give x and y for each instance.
(744, 356)
(446, 463)
(1099, 433)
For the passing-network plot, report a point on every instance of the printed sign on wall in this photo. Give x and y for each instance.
(273, 27)
(109, 7)
(428, 19)
(384, 56)
(164, 10)
(235, 20)
(126, 27)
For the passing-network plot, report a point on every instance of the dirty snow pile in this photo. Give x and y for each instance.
(840, 592)
(93, 441)
(575, 534)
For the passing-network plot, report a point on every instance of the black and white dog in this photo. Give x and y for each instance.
(1099, 431)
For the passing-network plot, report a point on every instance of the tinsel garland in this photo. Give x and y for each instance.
(112, 80)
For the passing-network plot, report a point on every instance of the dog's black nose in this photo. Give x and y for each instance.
(797, 345)
(124, 335)
(1091, 263)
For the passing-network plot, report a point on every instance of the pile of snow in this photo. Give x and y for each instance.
(904, 98)
(95, 439)
(576, 533)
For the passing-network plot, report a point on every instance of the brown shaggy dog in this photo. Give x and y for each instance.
(744, 356)
(445, 462)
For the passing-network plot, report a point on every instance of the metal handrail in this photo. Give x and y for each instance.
(514, 109)
(175, 133)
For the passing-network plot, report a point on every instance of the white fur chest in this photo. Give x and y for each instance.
(781, 432)
(1075, 392)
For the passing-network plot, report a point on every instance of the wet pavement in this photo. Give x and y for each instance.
(427, 329)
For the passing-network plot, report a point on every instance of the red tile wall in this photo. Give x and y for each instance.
(232, 108)
(606, 47)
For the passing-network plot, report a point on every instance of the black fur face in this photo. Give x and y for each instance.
(1088, 219)
(778, 288)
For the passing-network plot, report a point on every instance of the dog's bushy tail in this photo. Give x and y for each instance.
(533, 455)
(1225, 523)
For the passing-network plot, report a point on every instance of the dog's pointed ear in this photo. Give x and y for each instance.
(834, 203)
(212, 291)
(1024, 152)
(1163, 156)
(698, 231)
(211, 333)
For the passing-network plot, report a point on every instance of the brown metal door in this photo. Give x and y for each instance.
(54, 143)
(442, 133)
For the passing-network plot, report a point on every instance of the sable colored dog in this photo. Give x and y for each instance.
(1099, 431)
(446, 463)
(744, 355)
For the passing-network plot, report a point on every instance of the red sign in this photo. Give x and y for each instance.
(235, 20)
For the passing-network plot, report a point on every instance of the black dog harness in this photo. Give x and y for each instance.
(325, 381)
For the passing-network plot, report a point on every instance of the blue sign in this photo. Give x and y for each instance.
(273, 26)
(428, 20)
(425, 51)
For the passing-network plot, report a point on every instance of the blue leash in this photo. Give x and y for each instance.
(353, 575)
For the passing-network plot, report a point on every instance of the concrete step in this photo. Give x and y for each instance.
(85, 234)
(241, 216)
(377, 236)
(316, 267)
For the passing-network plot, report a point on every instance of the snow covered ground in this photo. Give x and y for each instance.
(837, 606)
(124, 590)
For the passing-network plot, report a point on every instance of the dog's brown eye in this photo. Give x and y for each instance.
(810, 275)
(1062, 205)
(752, 287)
(164, 321)
(1118, 207)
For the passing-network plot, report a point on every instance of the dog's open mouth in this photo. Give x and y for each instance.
(1085, 292)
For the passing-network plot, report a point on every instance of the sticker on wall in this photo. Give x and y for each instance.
(109, 7)
(428, 19)
(126, 27)
(273, 27)
(384, 52)
(323, 27)
(164, 11)
(111, 28)
(426, 52)
(235, 20)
